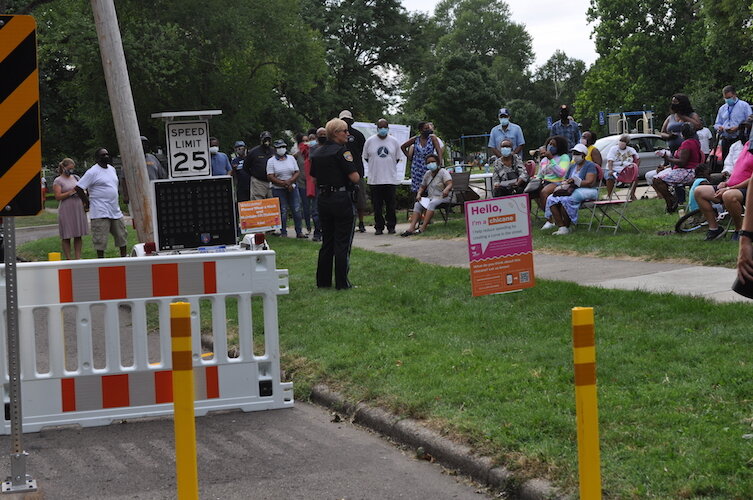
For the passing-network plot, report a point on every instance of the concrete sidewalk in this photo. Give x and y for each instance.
(713, 283)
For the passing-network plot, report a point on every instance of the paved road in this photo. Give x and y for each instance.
(292, 453)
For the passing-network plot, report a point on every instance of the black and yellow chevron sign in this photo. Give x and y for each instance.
(20, 145)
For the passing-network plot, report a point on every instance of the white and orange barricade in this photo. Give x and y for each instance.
(95, 336)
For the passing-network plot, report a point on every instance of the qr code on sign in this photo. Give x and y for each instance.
(525, 277)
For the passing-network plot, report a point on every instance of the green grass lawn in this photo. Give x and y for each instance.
(675, 392)
(39, 249)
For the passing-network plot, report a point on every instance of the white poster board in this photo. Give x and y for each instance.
(399, 132)
(188, 149)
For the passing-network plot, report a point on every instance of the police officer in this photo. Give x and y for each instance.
(336, 178)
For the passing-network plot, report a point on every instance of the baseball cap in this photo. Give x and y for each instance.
(239, 144)
(580, 148)
(279, 143)
(504, 111)
(345, 114)
(265, 135)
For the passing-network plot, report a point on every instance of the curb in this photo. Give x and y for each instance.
(448, 453)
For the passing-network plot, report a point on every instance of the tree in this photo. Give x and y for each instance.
(476, 62)
(367, 42)
(557, 81)
(175, 63)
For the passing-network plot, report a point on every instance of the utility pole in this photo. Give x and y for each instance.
(124, 116)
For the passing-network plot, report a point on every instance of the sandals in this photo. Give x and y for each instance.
(408, 233)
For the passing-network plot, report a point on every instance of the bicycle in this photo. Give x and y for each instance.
(694, 220)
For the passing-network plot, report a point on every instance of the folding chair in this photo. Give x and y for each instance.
(615, 210)
(461, 184)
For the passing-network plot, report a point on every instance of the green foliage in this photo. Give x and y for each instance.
(225, 62)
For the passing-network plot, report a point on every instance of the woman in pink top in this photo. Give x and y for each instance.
(731, 193)
(683, 163)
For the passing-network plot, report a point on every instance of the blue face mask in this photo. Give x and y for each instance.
(552, 149)
(504, 121)
(382, 132)
(431, 166)
(312, 143)
(731, 101)
(506, 151)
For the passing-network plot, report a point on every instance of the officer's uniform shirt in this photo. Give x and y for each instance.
(331, 164)
(356, 142)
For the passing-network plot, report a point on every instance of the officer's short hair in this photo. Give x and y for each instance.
(333, 126)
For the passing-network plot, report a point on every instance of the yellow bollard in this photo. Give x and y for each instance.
(54, 256)
(187, 475)
(587, 410)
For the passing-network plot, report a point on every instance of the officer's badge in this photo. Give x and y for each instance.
(348, 156)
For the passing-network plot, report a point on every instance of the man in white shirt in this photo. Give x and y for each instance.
(382, 153)
(101, 181)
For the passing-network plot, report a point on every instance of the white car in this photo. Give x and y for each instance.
(644, 144)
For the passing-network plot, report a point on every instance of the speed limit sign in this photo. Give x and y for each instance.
(188, 149)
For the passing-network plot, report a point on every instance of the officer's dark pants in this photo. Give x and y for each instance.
(337, 218)
(383, 196)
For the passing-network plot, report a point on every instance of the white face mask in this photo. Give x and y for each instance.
(623, 145)
(214, 149)
(281, 151)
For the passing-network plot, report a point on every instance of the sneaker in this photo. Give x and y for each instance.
(562, 230)
(378, 232)
(714, 234)
(301, 236)
(735, 236)
(546, 226)
(391, 231)
(317, 238)
(406, 233)
(361, 227)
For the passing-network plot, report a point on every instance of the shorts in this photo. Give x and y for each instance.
(676, 175)
(100, 229)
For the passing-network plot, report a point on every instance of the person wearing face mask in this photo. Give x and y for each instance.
(381, 153)
(417, 148)
(619, 156)
(566, 127)
(731, 114)
(510, 176)
(101, 182)
(588, 139)
(242, 177)
(684, 162)
(72, 221)
(436, 185)
(356, 142)
(506, 130)
(583, 175)
(219, 160)
(319, 139)
(282, 172)
(301, 152)
(256, 166)
(552, 169)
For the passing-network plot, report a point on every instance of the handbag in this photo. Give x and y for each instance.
(533, 185)
(564, 190)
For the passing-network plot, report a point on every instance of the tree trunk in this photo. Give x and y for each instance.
(124, 116)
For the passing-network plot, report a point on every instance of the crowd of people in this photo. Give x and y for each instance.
(320, 180)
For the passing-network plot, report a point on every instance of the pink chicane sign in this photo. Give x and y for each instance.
(499, 244)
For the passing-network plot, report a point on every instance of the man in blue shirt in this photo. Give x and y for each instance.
(220, 162)
(566, 127)
(506, 130)
(731, 114)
